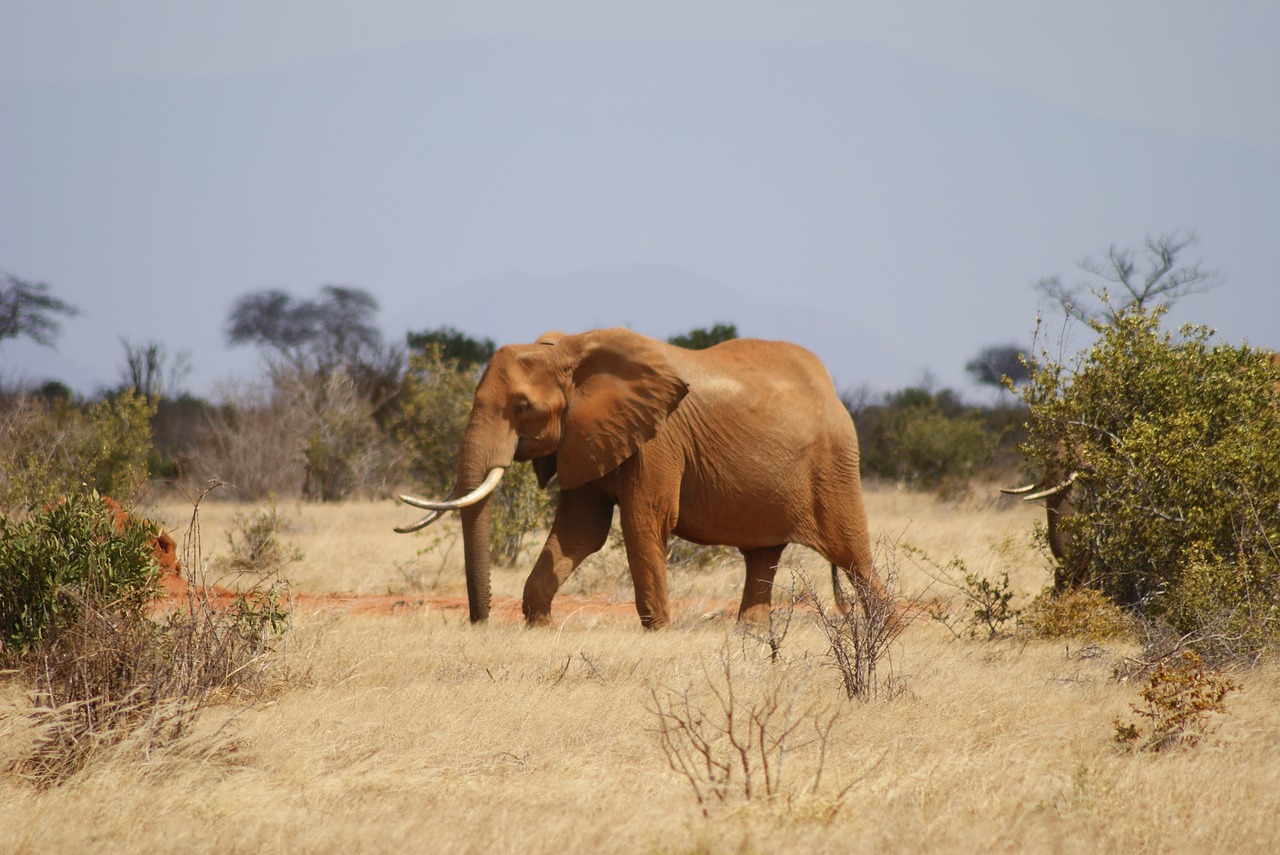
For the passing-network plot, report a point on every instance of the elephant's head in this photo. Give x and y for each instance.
(576, 406)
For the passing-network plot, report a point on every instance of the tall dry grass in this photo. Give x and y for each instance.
(418, 732)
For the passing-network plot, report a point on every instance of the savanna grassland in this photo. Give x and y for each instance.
(403, 728)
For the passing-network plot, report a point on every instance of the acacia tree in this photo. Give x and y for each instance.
(993, 364)
(1150, 279)
(328, 359)
(28, 309)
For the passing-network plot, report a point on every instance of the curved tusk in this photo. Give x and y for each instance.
(490, 481)
(420, 524)
(1018, 491)
(1051, 491)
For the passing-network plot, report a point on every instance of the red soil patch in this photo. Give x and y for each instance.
(502, 609)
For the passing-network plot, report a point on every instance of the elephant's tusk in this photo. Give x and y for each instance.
(490, 481)
(420, 524)
(1051, 491)
(1018, 491)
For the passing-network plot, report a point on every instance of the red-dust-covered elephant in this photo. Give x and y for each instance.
(744, 444)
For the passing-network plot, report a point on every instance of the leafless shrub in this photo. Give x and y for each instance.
(254, 443)
(862, 633)
(734, 736)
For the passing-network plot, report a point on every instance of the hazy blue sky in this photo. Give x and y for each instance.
(880, 182)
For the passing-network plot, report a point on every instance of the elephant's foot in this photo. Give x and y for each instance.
(755, 615)
(536, 614)
(655, 619)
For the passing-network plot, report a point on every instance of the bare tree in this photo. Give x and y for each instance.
(1153, 277)
(28, 309)
(149, 369)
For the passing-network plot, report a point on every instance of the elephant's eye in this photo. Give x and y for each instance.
(523, 406)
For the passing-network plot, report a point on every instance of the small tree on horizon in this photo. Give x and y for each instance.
(701, 339)
(995, 363)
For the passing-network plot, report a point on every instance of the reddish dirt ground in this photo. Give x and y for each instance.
(501, 610)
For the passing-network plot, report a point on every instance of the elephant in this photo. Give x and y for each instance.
(743, 444)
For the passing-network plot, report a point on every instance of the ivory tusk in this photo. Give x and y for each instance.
(1050, 491)
(490, 481)
(420, 524)
(1018, 491)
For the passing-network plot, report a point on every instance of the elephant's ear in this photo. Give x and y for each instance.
(623, 390)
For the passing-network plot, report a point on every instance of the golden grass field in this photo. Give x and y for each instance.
(404, 729)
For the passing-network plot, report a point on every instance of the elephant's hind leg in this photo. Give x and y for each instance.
(757, 591)
(580, 528)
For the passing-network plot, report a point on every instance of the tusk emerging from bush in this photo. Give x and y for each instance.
(1018, 491)
(490, 481)
(420, 524)
(1051, 491)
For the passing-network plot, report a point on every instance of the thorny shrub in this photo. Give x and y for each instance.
(733, 735)
(987, 603)
(861, 631)
(1177, 494)
(1177, 702)
(113, 675)
(1083, 614)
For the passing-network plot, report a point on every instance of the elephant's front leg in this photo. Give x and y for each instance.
(580, 528)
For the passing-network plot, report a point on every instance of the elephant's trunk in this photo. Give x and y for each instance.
(475, 541)
(477, 460)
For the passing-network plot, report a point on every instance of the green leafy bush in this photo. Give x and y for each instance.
(56, 448)
(1174, 442)
(433, 406)
(70, 555)
(924, 439)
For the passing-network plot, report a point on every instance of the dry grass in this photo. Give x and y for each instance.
(418, 732)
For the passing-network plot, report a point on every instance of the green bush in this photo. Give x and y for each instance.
(56, 448)
(1175, 444)
(924, 439)
(70, 555)
(433, 406)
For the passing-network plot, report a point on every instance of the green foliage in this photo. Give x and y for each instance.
(519, 507)
(1083, 614)
(454, 346)
(431, 414)
(1176, 704)
(56, 449)
(65, 557)
(924, 439)
(1177, 494)
(701, 339)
